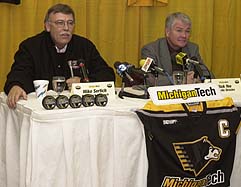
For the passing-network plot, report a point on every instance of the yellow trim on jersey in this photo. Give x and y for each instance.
(226, 102)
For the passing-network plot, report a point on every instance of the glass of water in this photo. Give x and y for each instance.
(178, 77)
(59, 84)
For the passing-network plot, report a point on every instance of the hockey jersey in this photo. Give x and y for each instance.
(190, 145)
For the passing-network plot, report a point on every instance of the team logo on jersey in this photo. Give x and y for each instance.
(195, 156)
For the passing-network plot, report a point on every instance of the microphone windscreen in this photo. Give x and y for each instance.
(142, 62)
(147, 63)
(180, 58)
(116, 64)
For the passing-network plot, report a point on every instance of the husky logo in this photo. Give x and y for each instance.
(213, 153)
(195, 156)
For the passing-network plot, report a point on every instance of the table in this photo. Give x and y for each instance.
(89, 147)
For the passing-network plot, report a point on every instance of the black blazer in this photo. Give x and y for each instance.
(37, 58)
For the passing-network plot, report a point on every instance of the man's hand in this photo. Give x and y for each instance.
(15, 93)
(191, 79)
(72, 80)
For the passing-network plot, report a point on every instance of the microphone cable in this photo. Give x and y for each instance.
(206, 69)
(169, 77)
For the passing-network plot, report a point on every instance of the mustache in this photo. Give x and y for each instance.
(66, 33)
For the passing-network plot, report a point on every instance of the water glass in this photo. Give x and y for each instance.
(59, 84)
(178, 77)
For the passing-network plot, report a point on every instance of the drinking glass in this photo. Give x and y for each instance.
(59, 84)
(178, 77)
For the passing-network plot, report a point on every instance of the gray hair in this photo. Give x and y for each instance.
(59, 8)
(177, 15)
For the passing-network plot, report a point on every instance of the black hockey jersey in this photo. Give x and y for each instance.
(190, 145)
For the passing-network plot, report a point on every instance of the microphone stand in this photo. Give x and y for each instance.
(185, 76)
(123, 93)
(156, 78)
(185, 70)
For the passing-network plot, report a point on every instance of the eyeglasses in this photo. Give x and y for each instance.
(61, 23)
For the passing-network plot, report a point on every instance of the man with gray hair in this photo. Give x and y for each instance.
(163, 51)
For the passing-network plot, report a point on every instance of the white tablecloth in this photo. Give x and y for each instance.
(89, 147)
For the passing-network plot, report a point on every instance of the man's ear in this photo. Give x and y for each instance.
(167, 31)
(47, 26)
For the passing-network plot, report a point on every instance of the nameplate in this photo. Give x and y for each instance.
(186, 93)
(94, 88)
(229, 87)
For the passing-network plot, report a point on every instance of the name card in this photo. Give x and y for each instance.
(94, 88)
(186, 93)
(229, 87)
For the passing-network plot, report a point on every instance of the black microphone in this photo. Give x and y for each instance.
(83, 72)
(198, 70)
(122, 70)
(132, 69)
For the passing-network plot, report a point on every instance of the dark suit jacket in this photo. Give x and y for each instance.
(158, 51)
(37, 58)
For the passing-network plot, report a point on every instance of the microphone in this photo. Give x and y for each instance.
(182, 59)
(83, 72)
(192, 61)
(73, 64)
(149, 65)
(198, 71)
(122, 70)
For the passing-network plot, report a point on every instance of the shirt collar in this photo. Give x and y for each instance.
(61, 50)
